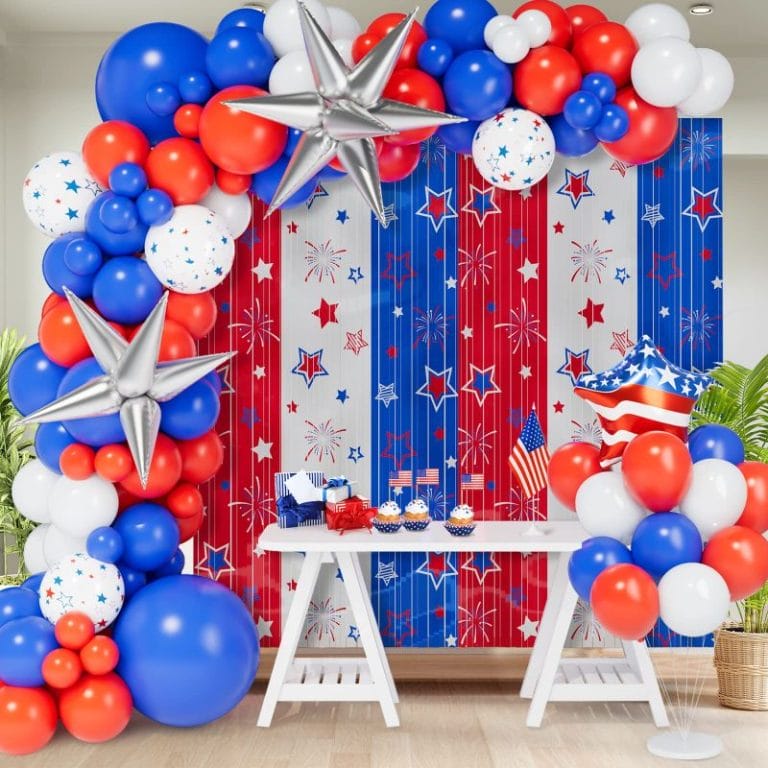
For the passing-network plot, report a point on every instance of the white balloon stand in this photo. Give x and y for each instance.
(692, 745)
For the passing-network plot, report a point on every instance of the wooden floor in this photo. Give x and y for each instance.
(466, 724)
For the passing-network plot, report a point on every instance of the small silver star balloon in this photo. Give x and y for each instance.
(344, 115)
(134, 382)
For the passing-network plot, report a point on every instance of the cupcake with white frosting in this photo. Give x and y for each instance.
(416, 516)
(389, 517)
(461, 521)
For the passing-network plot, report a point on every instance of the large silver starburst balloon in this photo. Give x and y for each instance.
(344, 115)
(134, 382)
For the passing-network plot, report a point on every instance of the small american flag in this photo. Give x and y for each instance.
(401, 479)
(530, 457)
(427, 477)
(472, 482)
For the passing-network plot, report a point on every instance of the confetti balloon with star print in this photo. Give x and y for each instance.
(82, 583)
(514, 149)
(192, 252)
(57, 192)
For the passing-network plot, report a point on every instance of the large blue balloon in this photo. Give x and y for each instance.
(477, 85)
(33, 380)
(111, 210)
(150, 536)
(126, 290)
(239, 56)
(188, 650)
(17, 603)
(264, 185)
(56, 272)
(713, 441)
(33, 582)
(595, 555)
(50, 440)
(460, 23)
(458, 136)
(24, 644)
(144, 57)
(573, 142)
(191, 413)
(663, 540)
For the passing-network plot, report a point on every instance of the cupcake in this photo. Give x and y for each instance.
(388, 519)
(461, 521)
(416, 516)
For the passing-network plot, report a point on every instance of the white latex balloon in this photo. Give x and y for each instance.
(656, 20)
(234, 210)
(605, 508)
(31, 489)
(58, 544)
(494, 25)
(693, 599)
(78, 507)
(715, 85)
(192, 252)
(716, 496)
(34, 553)
(344, 26)
(536, 25)
(344, 47)
(291, 74)
(510, 44)
(666, 71)
(282, 26)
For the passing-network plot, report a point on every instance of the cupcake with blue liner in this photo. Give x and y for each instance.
(462, 520)
(416, 516)
(389, 517)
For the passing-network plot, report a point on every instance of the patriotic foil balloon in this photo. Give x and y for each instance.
(644, 392)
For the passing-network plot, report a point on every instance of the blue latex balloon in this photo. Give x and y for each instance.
(330, 174)
(477, 85)
(128, 179)
(195, 87)
(126, 290)
(150, 536)
(239, 56)
(172, 568)
(24, 644)
(50, 440)
(155, 207)
(613, 124)
(83, 257)
(189, 650)
(33, 380)
(243, 17)
(56, 272)
(294, 135)
(133, 580)
(458, 136)
(265, 183)
(17, 603)
(214, 379)
(572, 142)
(460, 23)
(97, 430)
(33, 582)
(713, 441)
(582, 110)
(113, 242)
(435, 56)
(105, 544)
(191, 413)
(163, 99)
(119, 214)
(142, 58)
(601, 85)
(595, 555)
(663, 540)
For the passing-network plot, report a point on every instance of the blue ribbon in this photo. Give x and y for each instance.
(292, 514)
(336, 482)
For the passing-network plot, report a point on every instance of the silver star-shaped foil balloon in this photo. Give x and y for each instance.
(134, 382)
(344, 115)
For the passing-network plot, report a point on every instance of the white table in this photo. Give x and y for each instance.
(368, 678)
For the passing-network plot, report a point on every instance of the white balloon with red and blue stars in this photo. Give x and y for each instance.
(57, 192)
(192, 252)
(514, 149)
(82, 583)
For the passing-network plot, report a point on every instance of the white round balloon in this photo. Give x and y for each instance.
(192, 252)
(34, 553)
(715, 85)
(57, 192)
(58, 544)
(344, 48)
(693, 599)
(344, 26)
(510, 44)
(291, 74)
(514, 149)
(716, 496)
(82, 583)
(282, 26)
(234, 210)
(656, 20)
(79, 507)
(31, 489)
(605, 508)
(666, 71)
(536, 25)
(493, 26)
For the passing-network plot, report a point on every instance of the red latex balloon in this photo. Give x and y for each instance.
(51, 301)
(755, 514)
(583, 16)
(189, 526)
(651, 130)
(201, 457)
(73, 630)
(412, 86)
(383, 25)
(113, 462)
(27, 719)
(62, 668)
(100, 656)
(111, 143)
(164, 471)
(61, 338)
(186, 120)
(558, 18)
(125, 499)
(184, 501)
(97, 708)
(625, 601)
(571, 464)
(180, 168)
(233, 183)
(398, 162)
(195, 311)
(238, 141)
(657, 470)
(77, 461)
(362, 44)
(545, 78)
(740, 556)
(606, 47)
(176, 342)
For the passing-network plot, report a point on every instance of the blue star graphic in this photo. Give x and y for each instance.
(250, 237)
(72, 214)
(621, 275)
(516, 596)
(576, 187)
(339, 575)
(354, 633)
(319, 191)
(250, 417)
(342, 216)
(437, 207)
(342, 396)
(516, 237)
(608, 216)
(355, 275)
(503, 151)
(102, 598)
(37, 194)
(58, 580)
(482, 563)
(72, 186)
(355, 453)
(65, 162)
(515, 417)
(215, 561)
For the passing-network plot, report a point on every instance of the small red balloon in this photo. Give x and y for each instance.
(201, 457)
(412, 86)
(189, 526)
(51, 301)
(755, 514)
(73, 630)
(606, 47)
(100, 656)
(186, 120)
(176, 342)
(180, 168)
(397, 162)
(558, 18)
(363, 44)
(740, 556)
(625, 601)
(111, 143)
(113, 462)
(97, 708)
(233, 183)
(77, 461)
(62, 668)
(164, 471)
(61, 338)
(384, 24)
(185, 500)
(571, 464)
(583, 17)
(27, 719)
(195, 311)
(545, 78)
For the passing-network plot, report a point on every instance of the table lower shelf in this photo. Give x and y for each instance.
(597, 680)
(330, 679)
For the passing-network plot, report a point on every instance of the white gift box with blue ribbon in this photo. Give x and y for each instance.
(337, 489)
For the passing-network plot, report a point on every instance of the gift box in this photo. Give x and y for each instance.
(291, 514)
(308, 508)
(281, 478)
(350, 514)
(337, 489)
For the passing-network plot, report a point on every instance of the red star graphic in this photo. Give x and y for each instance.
(703, 206)
(439, 612)
(558, 406)
(658, 172)
(592, 313)
(401, 621)
(292, 407)
(398, 456)
(665, 269)
(102, 623)
(706, 254)
(439, 433)
(558, 226)
(575, 364)
(326, 313)
(392, 352)
(292, 228)
(505, 177)
(436, 386)
(436, 564)
(436, 206)
(439, 254)
(49, 592)
(309, 366)
(498, 117)
(405, 270)
(291, 585)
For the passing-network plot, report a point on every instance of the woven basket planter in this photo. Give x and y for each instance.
(741, 660)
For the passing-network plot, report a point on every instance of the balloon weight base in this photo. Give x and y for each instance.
(685, 746)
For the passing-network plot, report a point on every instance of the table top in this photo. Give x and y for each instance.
(489, 536)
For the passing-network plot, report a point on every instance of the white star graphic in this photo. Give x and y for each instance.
(259, 552)
(529, 628)
(466, 332)
(397, 490)
(263, 270)
(529, 270)
(397, 311)
(664, 311)
(259, 372)
(668, 377)
(717, 283)
(263, 450)
(450, 462)
(450, 283)
(525, 371)
(647, 350)
(450, 641)
(264, 627)
(526, 192)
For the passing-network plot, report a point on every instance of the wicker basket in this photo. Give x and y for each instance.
(741, 660)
